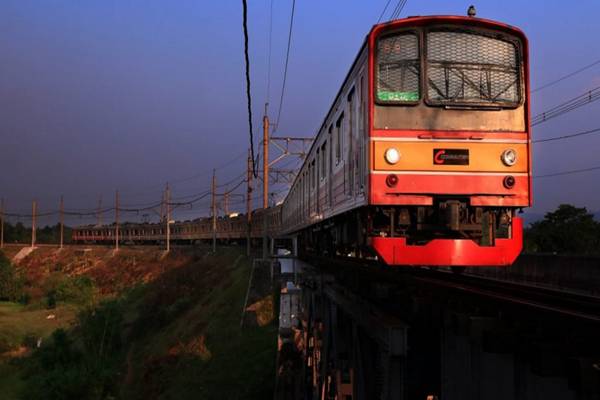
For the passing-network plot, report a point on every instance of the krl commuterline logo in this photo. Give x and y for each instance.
(451, 156)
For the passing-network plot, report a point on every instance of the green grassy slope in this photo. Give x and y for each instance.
(175, 337)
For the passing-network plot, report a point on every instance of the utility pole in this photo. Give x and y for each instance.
(265, 177)
(249, 201)
(117, 220)
(168, 229)
(2, 223)
(214, 212)
(226, 203)
(62, 221)
(162, 208)
(99, 212)
(33, 211)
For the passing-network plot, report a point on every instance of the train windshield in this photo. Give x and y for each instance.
(398, 68)
(470, 68)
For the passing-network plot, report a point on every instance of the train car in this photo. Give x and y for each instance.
(228, 228)
(424, 156)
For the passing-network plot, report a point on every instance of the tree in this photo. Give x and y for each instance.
(568, 229)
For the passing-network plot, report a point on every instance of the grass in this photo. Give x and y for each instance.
(20, 325)
(23, 326)
(232, 363)
(181, 336)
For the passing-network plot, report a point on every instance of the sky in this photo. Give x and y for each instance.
(100, 95)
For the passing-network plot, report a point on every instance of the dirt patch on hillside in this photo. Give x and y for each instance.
(111, 271)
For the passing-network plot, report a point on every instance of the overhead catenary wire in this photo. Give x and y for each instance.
(398, 9)
(285, 68)
(189, 178)
(562, 78)
(248, 95)
(589, 132)
(571, 172)
(569, 105)
(383, 11)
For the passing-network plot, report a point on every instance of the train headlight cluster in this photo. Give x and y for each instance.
(392, 156)
(509, 157)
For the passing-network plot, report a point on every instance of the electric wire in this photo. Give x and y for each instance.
(590, 132)
(285, 69)
(248, 96)
(562, 78)
(574, 171)
(384, 10)
(569, 105)
(398, 9)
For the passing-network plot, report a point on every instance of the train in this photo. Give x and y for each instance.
(424, 157)
(233, 227)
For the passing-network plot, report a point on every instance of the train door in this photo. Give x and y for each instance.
(362, 134)
(323, 176)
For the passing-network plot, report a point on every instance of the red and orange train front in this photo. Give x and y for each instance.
(449, 141)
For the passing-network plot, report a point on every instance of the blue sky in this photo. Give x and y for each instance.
(98, 95)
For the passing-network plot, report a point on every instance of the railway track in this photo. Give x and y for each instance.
(371, 331)
(565, 303)
(550, 300)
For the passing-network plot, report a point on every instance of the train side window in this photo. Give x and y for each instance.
(338, 138)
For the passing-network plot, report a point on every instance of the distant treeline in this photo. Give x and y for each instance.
(567, 230)
(19, 233)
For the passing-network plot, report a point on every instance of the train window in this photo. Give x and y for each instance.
(338, 138)
(472, 68)
(398, 68)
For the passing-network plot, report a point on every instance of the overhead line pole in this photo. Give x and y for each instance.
(2, 223)
(99, 215)
(168, 210)
(214, 212)
(117, 220)
(249, 202)
(265, 177)
(33, 212)
(62, 221)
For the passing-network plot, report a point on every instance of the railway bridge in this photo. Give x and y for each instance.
(530, 331)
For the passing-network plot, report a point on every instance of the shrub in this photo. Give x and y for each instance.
(11, 284)
(79, 290)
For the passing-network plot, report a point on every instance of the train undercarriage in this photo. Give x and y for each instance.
(450, 225)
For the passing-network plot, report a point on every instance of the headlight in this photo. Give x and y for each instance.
(509, 157)
(392, 156)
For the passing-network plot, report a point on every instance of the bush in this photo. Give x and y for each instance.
(79, 290)
(11, 284)
(83, 367)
